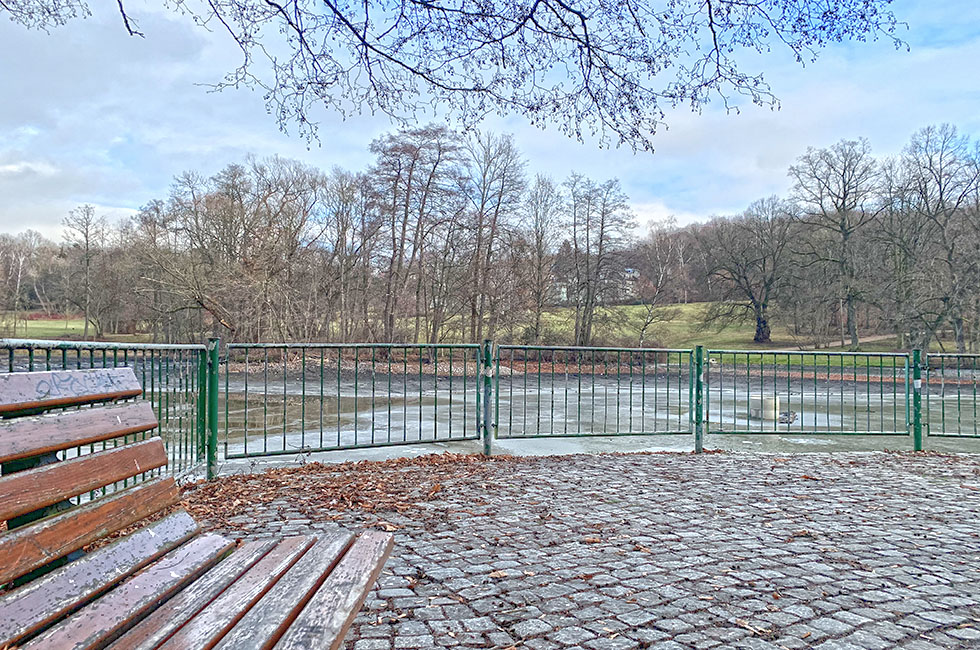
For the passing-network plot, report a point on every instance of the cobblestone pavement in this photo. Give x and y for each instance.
(614, 552)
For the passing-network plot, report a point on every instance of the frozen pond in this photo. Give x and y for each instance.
(559, 413)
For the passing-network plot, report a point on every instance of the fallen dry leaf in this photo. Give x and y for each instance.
(322, 491)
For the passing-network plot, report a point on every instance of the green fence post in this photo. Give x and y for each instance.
(917, 400)
(213, 346)
(698, 399)
(487, 372)
(202, 405)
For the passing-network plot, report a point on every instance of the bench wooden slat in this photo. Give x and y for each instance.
(214, 621)
(32, 489)
(103, 620)
(160, 586)
(166, 619)
(266, 622)
(324, 621)
(26, 610)
(26, 437)
(26, 391)
(29, 547)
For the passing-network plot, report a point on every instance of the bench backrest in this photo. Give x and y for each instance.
(42, 525)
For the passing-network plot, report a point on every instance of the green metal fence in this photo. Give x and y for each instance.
(172, 377)
(813, 393)
(573, 391)
(295, 398)
(949, 396)
(273, 399)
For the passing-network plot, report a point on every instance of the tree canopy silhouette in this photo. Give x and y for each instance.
(606, 68)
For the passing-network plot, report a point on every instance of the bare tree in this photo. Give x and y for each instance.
(343, 273)
(495, 187)
(655, 259)
(243, 236)
(944, 179)
(747, 254)
(838, 189)
(542, 215)
(905, 262)
(417, 179)
(599, 222)
(84, 232)
(17, 261)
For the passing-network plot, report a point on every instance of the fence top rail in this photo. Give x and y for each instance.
(42, 344)
(954, 355)
(348, 346)
(813, 353)
(574, 348)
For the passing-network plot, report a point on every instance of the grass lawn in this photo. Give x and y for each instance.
(678, 327)
(71, 329)
(618, 326)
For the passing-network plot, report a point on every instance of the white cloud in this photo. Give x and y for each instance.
(653, 212)
(26, 167)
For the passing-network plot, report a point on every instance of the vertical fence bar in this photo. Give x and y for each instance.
(705, 376)
(496, 390)
(202, 404)
(212, 397)
(917, 400)
(698, 399)
(487, 372)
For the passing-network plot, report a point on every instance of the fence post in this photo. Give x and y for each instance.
(917, 400)
(202, 404)
(698, 399)
(214, 345)
(487, 372)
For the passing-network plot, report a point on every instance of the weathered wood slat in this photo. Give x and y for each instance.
(29, 547)
(324, 621)
(26, 610)
(168, 618)
(32, 489)
(157, 587)
(101, 621)
(210, 624)
(26, 437)
(26, 391)
(266, 622)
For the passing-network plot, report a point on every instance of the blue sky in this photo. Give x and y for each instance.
(91, 115)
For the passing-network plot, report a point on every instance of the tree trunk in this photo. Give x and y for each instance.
(852, 331)
(959, 334)
(762, 330)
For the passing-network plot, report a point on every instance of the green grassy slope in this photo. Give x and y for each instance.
(71, 329)
(678, 326)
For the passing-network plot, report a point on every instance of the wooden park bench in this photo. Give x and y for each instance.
(162, 585)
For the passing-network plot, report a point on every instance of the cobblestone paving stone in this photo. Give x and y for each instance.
(615, 552)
